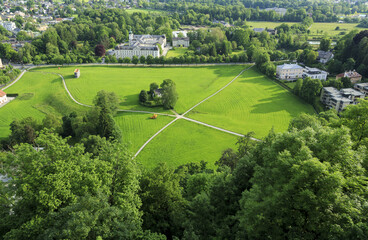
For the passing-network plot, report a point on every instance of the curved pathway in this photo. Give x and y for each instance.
(195, 121)
(16, 80)
(176, 116)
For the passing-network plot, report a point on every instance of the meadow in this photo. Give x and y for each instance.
(251, 103)
(39, 94)
(192, 83)
(317, 30)
(184, 142)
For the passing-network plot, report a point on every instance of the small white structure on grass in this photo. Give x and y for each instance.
(3, 97)
(77, 73)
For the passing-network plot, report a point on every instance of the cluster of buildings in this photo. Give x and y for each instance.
(340, 99)
(140, 45)
(292, 72)
(148, 45)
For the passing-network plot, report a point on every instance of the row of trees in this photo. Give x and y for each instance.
(308, 182)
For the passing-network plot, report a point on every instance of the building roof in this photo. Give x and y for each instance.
(183, 38)
(312, 71)
(349, 74)
(325, 55)
(2, 94)
(258, 29)
(76, 70)
(289, 66)
(351, 92)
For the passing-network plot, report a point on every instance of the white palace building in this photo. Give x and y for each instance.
(140, 45)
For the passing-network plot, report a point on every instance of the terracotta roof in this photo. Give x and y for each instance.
(2, 94)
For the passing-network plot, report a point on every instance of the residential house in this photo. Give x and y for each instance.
(180, 42)
(77, 73)
(158, 92)
(339, 100)
(289, 72)
(10, 26)
(324, 57)
(362, 87)
(258, 30)
(1, 64)
(281, 11)
(3, 97)
(352, 75)
(315, 73)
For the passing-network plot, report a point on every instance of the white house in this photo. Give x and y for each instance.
(324, 57)
(338, 100)
(180, 42)
(140, 45)
(3, 97)
(10, 26)
(315, 73)
(1, 64)
(289, 72)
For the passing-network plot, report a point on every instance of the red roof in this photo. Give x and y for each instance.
(2, 94)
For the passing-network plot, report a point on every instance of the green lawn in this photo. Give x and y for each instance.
(137, 128)
(185, 142)
(192, 83)
(177, 52)
(323, 28)
(251, 103)
(39, 94)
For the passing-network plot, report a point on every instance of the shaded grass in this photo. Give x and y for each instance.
(184, 142)
(251, 103)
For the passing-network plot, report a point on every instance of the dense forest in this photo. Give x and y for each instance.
(72, 178)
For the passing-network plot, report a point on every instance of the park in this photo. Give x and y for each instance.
(236, 99)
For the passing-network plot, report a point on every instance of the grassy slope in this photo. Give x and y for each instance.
(39, 94)
(251, 103)
(192, 83)
(179, 51)
(185, 142)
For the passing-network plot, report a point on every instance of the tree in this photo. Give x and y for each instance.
(153, 87)
(298, 86)
(162, 201)
(23, 131)
(325, 44)
(107, 100)
(63, 193)
(142, 59)
(100, 50)
(169, 96)
(311, 89)
(228, 158)
(135, 60)
(313, 171)
(349, 64)
(143, 96)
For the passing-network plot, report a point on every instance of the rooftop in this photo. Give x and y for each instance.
(2, 94)
(289, 66)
